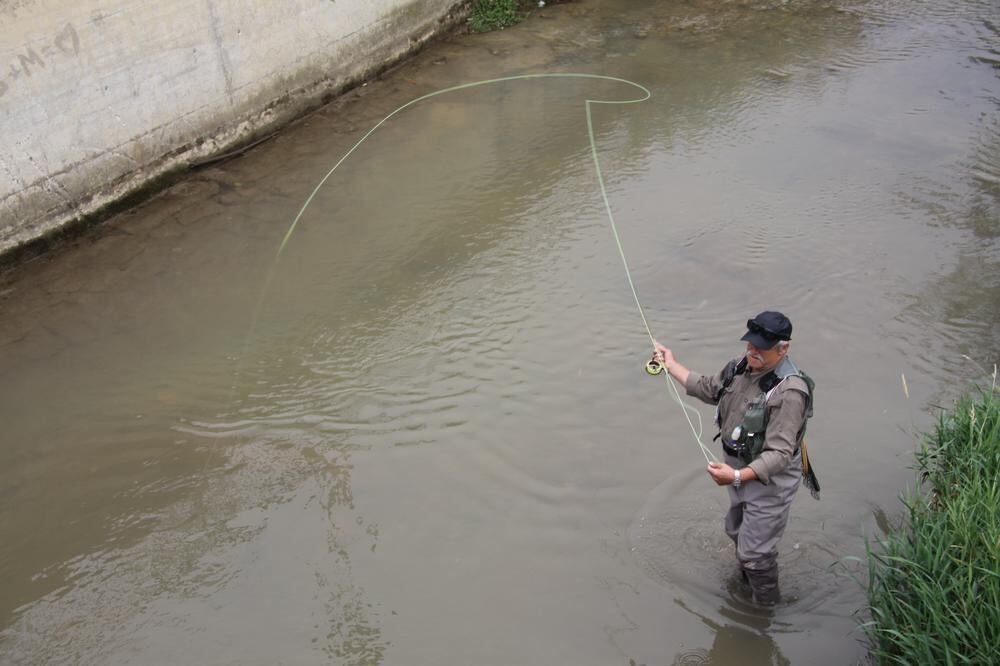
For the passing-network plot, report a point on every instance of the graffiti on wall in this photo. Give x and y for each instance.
(36, 58)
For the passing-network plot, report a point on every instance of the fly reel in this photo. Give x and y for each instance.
(654, 367)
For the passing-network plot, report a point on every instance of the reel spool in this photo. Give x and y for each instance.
(653, 367)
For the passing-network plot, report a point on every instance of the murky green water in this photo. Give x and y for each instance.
(433, 441)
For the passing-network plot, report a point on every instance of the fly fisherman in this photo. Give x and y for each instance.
(763, 401)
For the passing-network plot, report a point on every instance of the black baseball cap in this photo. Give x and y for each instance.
(768, 329)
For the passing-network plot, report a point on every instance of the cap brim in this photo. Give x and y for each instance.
(759, 341)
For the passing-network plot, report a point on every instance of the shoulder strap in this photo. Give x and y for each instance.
(729, 373)
(787, 368)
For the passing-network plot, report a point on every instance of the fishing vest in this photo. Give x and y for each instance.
(747, 439)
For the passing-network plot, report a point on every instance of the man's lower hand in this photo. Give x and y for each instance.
(721, 473)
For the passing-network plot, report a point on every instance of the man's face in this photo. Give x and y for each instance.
(764, 359)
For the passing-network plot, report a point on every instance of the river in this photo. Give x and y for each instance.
(422, 433)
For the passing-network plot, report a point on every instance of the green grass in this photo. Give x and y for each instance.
(934, 584)
(488, 15)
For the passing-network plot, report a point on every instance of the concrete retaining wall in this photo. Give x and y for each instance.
(100, 97)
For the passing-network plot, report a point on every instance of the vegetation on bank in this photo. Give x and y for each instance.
(489, 15)
(934, 584)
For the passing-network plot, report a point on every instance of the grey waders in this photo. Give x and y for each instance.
(756, 521)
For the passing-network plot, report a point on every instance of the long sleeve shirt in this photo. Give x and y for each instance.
(786, 414)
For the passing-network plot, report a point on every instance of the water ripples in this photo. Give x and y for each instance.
(682, 544)
(920, 26)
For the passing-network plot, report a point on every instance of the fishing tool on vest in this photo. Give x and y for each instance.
(747, 439)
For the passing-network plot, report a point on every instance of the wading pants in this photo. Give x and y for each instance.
(755, 522)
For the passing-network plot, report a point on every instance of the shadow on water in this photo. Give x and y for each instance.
(741, 634)
(744, 638)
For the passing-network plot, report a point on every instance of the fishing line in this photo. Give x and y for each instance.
(646, 94)
(687, 409)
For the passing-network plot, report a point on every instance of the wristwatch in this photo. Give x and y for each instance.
(736, 479)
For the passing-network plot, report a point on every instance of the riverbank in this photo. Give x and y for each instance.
(934, 584)
(144, 92)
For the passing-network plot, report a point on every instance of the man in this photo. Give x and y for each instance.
(763, 403)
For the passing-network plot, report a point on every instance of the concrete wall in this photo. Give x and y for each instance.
(99, 97)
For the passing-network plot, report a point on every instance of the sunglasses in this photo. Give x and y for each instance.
(754, 327)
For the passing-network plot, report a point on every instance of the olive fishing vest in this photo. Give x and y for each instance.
(747, 439)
